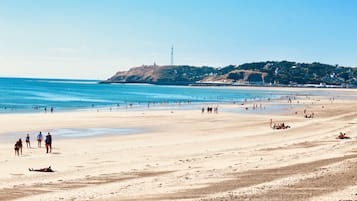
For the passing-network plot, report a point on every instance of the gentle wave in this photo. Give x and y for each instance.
(25, 94)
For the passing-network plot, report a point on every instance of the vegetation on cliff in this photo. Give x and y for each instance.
(257, 73)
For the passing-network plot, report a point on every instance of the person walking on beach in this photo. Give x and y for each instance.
(48, 142)
(39, 139)
(28, 145)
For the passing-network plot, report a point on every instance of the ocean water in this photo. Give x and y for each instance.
(33, 95)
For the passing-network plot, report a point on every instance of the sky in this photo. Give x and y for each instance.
(90, 39)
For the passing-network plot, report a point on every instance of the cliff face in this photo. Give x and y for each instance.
(163, 75)
(283, 72)
(138, 74)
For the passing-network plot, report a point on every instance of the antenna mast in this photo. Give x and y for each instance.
(172, 55)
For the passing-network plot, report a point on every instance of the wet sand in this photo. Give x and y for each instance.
(186, 155)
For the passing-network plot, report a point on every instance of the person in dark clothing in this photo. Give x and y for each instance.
(20, 145)
(42, 169)
(48, 142)
(28, 145)
(16, 147)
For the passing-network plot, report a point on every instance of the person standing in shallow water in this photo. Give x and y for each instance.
(39, 139)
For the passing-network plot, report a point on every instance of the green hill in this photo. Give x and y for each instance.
(269, 73)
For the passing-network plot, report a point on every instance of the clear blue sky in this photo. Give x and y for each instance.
(94, 39)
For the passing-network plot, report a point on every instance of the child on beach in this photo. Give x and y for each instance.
(28, 145)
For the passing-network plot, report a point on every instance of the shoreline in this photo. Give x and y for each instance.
(280, 107)
(137, 105)
(224, 85)
(224, 107)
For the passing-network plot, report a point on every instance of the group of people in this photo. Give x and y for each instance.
(37, 107)
(308, 116)
(210, 109)
(278, 126)
(45, 109)
(48, 143)
(18, 147)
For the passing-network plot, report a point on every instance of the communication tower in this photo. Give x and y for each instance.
(172, 55)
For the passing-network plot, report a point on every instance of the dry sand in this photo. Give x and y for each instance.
(186, 155)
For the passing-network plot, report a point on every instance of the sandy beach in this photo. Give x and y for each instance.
(189, 155)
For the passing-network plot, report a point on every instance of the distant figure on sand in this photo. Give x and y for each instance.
(216, 109)
(28, 145)
(271, 123)
(16, 147)
(278, 125)
(343, 136)
(20, 145)
(48, 142)
(309, 116)
(42, 169)
(39, 139)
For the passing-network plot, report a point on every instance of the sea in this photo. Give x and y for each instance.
(23, 95)
(34, 95)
